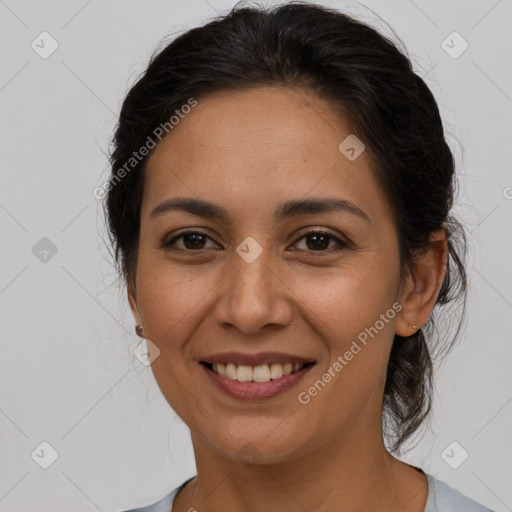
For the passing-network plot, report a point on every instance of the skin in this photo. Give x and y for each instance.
(249, 152)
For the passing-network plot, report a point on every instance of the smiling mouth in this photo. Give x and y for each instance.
(260, 373)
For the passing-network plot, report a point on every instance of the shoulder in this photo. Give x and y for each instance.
(164, 504)
(443, 498)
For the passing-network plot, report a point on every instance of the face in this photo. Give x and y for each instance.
(255, 281)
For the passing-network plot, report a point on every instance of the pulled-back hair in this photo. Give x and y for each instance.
(368, 81)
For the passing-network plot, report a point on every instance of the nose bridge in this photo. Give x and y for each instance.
(252, 274)
(251, 292)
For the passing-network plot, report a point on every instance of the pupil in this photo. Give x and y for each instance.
(320, 245)
(194, 238)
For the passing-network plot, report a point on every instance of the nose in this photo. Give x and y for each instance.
(253, 296)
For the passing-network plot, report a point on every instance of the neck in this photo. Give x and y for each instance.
(352, 474)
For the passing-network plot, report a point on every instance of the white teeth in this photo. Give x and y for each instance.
(244, 373)
(287, 369)
(260, 373)
(276, 371)
(231, 371)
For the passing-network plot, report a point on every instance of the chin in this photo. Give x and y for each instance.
(259, 448)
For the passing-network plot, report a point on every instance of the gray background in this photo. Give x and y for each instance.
(68, 373)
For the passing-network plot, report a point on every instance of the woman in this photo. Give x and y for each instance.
(280, 207)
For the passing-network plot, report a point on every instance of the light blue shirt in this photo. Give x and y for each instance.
(441, 498)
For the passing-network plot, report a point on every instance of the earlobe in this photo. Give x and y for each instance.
(132, 300)
(422, 286)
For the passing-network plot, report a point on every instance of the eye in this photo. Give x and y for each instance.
(320, 241)
(195, 241)
(192, 241)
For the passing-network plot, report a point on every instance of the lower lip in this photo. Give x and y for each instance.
(256, 390)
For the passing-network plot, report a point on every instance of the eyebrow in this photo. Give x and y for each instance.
(291, 208)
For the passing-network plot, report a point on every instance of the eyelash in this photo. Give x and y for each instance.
(342, 244)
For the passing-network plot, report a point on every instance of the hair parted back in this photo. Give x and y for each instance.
(367, 80)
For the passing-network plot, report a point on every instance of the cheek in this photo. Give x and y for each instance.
(353, 313)
(173, 305)
(173, 301)
(355, 320)
(347, 300)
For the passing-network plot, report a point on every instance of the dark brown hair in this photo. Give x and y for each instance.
(368, 80)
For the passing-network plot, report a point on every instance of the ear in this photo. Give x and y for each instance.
(132, 300)
(422, 285)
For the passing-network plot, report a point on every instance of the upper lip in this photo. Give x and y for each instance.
(254, 359)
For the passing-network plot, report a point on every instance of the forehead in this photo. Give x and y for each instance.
(256, 146)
